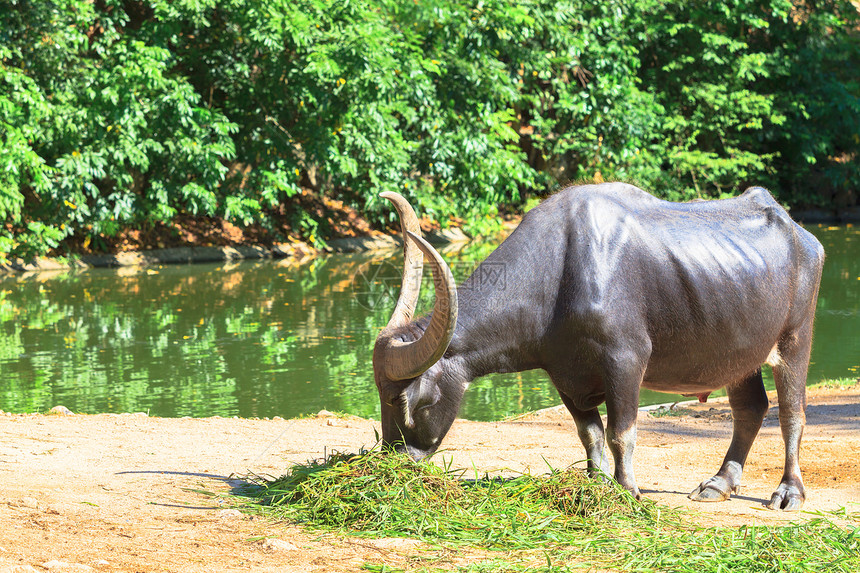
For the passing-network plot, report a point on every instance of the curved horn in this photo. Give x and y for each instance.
(406, 360)
(413, 262)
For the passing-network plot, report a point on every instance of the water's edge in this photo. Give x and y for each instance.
(299, 251)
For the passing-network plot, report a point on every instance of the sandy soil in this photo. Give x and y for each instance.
(119, 492)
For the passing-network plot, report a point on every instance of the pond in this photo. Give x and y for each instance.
(278, 339)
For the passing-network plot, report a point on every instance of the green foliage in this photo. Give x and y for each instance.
(117, 114)
(755, 92)
(812, 74)
(99, 130)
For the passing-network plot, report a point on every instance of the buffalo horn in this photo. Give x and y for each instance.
(406, 360)
(413, 262)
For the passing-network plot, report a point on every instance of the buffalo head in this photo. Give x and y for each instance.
(420, 394)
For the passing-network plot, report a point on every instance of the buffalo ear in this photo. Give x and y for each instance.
(423, 394)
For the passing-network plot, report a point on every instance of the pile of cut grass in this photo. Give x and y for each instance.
(566, 514)
(390, 494)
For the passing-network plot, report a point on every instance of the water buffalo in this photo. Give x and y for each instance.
(609, 290)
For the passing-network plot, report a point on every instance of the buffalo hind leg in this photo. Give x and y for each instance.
(748, 401)
(789, 373)
(589, 426)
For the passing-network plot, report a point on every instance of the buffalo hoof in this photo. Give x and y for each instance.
(787, 498)
(713, 489)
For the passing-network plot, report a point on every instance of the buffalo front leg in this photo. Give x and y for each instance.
(589, 426)
(748, 401)
(622, 409)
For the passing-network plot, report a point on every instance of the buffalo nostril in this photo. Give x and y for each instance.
(416, 454)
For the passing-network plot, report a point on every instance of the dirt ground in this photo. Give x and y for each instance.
(120, 492)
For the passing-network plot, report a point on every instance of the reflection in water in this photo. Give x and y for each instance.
(277, 339)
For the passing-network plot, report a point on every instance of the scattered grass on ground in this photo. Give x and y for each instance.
(836, 383)
(673, 411)
(557, 522)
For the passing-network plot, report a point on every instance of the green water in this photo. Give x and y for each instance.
(277, 339)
